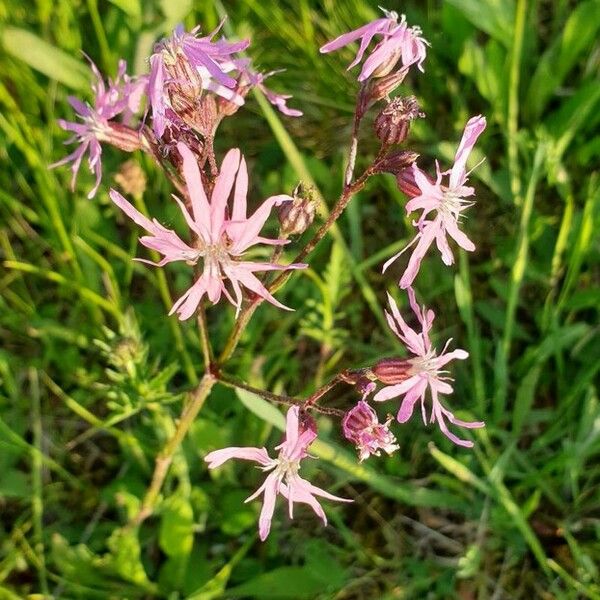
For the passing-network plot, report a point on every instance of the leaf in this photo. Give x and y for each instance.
(125, 557)
(176, 535)
(284, 582)
(216, 586)
(576, 37)
(495, 17)
(15, 483)
(132, 8)
(267, 412)
(237, 517)
(45, 58)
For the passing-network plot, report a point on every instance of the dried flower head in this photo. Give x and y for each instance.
(392, 124)
(131, 178)
(297, 216)
(361, 426)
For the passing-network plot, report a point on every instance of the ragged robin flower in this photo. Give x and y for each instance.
(283, 478)
(220, 237)
(446, 202)
(119, 97)
(426, 372)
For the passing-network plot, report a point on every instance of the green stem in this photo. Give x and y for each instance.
(165, 293)
(205, 346)
(516, 279)
(513, 101)
(165, 457)
(107, 60)
(37, 500)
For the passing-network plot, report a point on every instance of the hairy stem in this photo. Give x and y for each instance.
(277, 398)
(281, 398)
(165, 457)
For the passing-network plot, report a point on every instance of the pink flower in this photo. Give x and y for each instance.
(446, 201)
(399, 42)
(362, 427)
(219, 241)
(283, 478)
(257, 79)
(123, 95)
(190, 62)
(426, 372)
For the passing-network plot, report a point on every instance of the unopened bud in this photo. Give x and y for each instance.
(131, 179)
(295, 217)
(393, 122)
(396, 162)
(392, 370)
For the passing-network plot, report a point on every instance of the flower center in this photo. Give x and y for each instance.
(426, 364)
(96, 125)
(453, 204)
(287, 469)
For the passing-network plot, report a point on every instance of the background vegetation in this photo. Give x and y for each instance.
(93, 374)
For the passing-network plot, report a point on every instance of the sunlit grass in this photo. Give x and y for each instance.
(92, 373)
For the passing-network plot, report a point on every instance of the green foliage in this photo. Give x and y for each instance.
(93, 375)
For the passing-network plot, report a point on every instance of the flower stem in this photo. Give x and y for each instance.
(248, 310)
(205, 346)
(165, 458)
(358, 115)
(277, 398)
(283, 399)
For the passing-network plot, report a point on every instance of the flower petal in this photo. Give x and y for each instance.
(218, 457)
(191, 174)
(393, 391)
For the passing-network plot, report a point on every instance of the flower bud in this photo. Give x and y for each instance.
(295, 217)
(393, 122)
(392, 370)
(361, 426)
(131, 179)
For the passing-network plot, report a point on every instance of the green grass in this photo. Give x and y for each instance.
(93, 374)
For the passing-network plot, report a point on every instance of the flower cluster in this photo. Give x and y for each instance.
(193, 83)
(196, 81)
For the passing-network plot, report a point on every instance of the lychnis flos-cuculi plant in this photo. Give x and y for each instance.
(194, 82)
